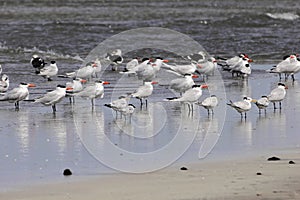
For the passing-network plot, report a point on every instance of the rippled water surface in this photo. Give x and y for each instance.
(36, 145)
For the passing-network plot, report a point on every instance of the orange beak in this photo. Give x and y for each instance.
(250, 60)
(199, 66)
(83, 81)
(154, 82)
(105, 83)
(94, 65)
(165, 61)
(195, 76)
(69, 88)
(31, 85)
(286, 87)
(204, 86)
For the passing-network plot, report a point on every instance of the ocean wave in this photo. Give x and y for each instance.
(283, 16)
(35, 50)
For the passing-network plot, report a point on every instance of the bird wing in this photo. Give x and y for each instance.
(277, 94)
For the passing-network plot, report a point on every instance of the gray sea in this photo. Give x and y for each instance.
(35, 145)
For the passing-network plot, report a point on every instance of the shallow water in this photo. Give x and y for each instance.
(36, 146)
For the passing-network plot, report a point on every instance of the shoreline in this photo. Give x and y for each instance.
(228, 179)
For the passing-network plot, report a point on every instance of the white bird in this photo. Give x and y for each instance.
(191, 96)
(262, 103)
(53, 97)
(144, 91)
(148, 72)
(237, 64)
(289, 66)
(119, 105)
(76, 86)
(181, 69)
(207, 67)
(209, 103)
(85, 72)
(139, 67)
(277, 95)
(97, 67)
(115, 57)
(4, 83)
(242, 106)
(93, 91)
(38, 63)
(49, 71)
(131, 64)
(158, 63)
(183, 84)
(17, 94)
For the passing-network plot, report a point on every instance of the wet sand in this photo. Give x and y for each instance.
(230, 179)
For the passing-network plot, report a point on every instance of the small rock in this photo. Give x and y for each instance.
(67, 172)
(258, 173)
(273, 158)
(292, 162)
(183, 168)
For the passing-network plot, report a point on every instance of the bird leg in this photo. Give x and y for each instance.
(92, 100)
(146, 103)
(53, 108)
(274, 106)
(17, 106)
(293, 78)
(279, 105)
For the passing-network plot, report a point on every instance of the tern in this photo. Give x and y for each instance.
(119, 105)
(53, 97)
(181, 69)
(93, 91)
(138, 68)
(277, 95)
(115, 57)
(191, 96)
(17, 94)
(207, 67)
(144, 91)
(209, 103)
(76, 86)
(242, 106)
(49, 71)
(262, 103)
(289, 66)
(38, 63)
(183, 84)
(149, 71)
(131, 64)
(4, 83)
(85, 72)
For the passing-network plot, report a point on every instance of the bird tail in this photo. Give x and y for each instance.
(108, 105)
(171, 99)
(230, 103)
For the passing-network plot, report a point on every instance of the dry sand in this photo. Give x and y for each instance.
(231, 179)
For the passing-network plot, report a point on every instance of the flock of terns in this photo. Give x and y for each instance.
(146, 69)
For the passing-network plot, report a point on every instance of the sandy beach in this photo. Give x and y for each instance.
(230, 179)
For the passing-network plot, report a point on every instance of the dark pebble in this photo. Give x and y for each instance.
(67, 172)
(273, 158)
(183, 168)
(258, 173)
(292, 162)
